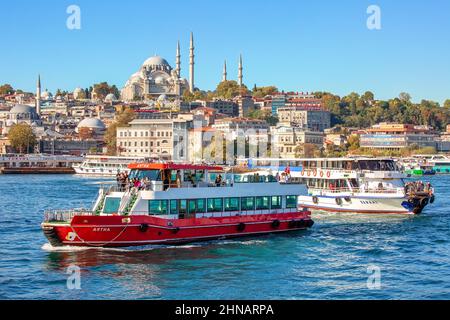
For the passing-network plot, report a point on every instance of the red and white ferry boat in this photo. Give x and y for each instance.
(181, 203)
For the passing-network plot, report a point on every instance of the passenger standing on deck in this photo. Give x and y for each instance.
(178, 179)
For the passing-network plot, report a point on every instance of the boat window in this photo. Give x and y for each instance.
(275, 202)
(157, 207)
(173, 206)
(192, 206)
(247, 203)
(291, 202)
(231, 204)
(111, 205)
(152, 175)
(182, 206)
(201, 205)
(262, 203)
(215, 205)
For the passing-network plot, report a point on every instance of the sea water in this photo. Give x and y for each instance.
(344, 256)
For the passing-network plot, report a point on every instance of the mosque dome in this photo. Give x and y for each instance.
(162, 97)
(21, 108)
(91, 123)
(156, 61)
(110, 97)
(77, 92)
(46, 95)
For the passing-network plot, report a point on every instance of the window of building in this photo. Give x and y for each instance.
(157, 207)
(231, 204)
(291, 202)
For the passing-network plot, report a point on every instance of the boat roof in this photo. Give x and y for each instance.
(173, 166)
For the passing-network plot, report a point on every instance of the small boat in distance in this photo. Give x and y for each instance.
(167, 203)
(102, 165)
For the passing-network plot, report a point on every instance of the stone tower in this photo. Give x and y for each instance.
(178, 60)
(224, 76)
(191, 64)
(240, 75)
(38, 95)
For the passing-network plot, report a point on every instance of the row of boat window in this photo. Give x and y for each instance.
(192, 206)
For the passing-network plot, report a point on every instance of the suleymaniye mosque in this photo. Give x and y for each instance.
(157, 80)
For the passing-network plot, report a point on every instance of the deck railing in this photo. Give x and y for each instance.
(65, 215)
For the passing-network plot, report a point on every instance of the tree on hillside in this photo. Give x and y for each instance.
(404, 96)
(22, 137)
(102, 89)
(447, 104)
(123, 119)
(230, 89)
(6, 89)
(261, 92)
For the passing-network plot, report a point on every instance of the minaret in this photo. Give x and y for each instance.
(240, 76)
(38, 95)
(224, 77)
(178, 62)
(191, 64)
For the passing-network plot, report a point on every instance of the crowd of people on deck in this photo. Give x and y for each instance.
(125, 183)
(418, 186)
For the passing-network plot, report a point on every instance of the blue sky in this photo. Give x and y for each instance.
(296, 45)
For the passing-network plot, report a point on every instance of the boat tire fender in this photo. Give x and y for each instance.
(241, 227)
(275, 224)
(143, 227)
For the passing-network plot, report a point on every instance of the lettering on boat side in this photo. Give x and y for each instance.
(101, 229)
(256, 309)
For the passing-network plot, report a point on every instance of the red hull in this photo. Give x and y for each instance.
(121, 231)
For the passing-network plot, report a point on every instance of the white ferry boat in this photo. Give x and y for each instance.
(95, 165)
(357, 185)
(38, 164)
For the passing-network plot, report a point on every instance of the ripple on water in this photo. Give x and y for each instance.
(330, 261)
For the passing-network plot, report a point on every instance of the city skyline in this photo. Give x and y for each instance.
(310, 47)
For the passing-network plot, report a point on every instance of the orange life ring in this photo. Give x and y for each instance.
(328, 174)
(315, 173)
(303, 173)
(309, 173)
(321, 174)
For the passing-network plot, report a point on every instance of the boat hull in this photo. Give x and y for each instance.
(122, 231)
(363, 205)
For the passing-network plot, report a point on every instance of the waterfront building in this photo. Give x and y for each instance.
(234, 125)
(287, 141)
(397, 136)
(245, 105)
(299, 99)
(305, 116)
(157, 136)
(227, 107)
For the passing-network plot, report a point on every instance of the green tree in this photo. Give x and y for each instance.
(122, 120)
(261, 92)
(447, 104)
(230, 89)
(102, 89)
(22, 137)
(6, 89)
